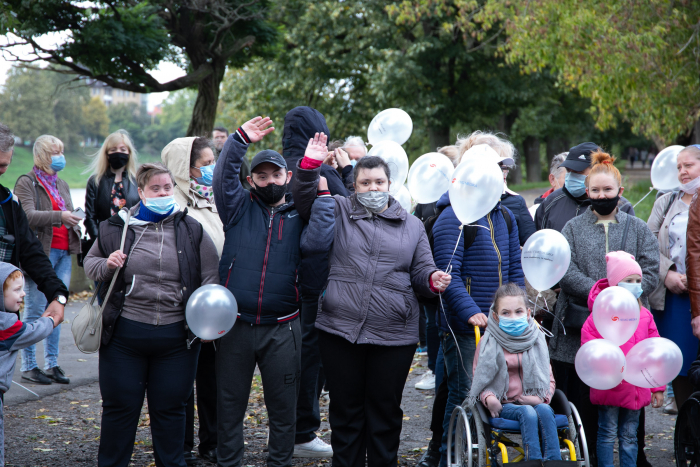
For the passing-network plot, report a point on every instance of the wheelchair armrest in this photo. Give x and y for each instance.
(483, 412)
(560, 404)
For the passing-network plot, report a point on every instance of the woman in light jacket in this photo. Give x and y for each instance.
(191, 161)
(368, 314)
(145, 343)
(112, 184)
(46, 200)
(670, 303)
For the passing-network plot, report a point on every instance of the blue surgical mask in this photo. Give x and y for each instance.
(513, 326)
(353, 162)
(575, 184)
(635, 288)
(58, 163)
(207, 175)
(161, 204)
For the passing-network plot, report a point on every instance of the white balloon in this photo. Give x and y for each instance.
(545, 258)
(475, 190)
(396, 158)
(653, 363)
(390, 125)
(664, 172)
(404, 198)
(429, 177)
(485, 152)
(211, 311)
(600, 364)
(616, 314)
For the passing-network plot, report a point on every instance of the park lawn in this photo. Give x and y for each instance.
(635, 192)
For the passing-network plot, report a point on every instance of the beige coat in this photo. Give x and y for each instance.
(176, 157)
(40, 214)
(659, 227)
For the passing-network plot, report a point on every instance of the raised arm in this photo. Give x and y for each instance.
(307, 175)
(318, 236)
(229, 194)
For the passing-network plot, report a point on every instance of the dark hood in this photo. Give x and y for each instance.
(300, 125)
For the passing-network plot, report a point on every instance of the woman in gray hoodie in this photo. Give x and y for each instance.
(602, 228)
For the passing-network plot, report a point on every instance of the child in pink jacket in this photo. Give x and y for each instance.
(619, 408)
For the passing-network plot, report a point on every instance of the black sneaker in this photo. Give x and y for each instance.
(208, 455)
(36, 376)
(431, 457)
(57, 374)
(190, 459)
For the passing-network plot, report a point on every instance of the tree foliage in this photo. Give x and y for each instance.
(121, 42)
(96, 119)
(636, 59)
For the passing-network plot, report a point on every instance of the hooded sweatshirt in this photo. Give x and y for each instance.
(14, 334)
(624, 394)
(176, 157)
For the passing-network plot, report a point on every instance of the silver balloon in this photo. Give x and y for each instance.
(397, 160)
(545, 259)
(404, 198)
(600, 364)
(664, 171)
(390, 125)
(653, 363)
(429, 177)
(211, 311)
(616, 314)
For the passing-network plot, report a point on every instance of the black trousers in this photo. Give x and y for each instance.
(142, 359)
(366, 384)
(308, 413)
(580, 395)
(439, 407)
(206, 402)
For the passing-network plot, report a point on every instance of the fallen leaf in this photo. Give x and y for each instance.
(82, 360)
(407, 418)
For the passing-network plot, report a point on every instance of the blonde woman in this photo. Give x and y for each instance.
(112, 183)
(46, 200)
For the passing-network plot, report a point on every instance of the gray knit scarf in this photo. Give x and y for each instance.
(492, 372)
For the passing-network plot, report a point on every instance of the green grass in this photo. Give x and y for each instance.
(635, 192)
(76, 163)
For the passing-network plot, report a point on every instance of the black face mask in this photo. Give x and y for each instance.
(117, 160)
(271, 193)
(605, 206)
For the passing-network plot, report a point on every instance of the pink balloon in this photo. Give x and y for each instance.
(600, 364)
(616, 314)
(653, 363)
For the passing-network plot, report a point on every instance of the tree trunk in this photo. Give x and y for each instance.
(438, 136)
(555, 146)
(205, 106)
(531, 147)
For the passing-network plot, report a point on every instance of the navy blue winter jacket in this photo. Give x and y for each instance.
(492, 259)
(262, 253)
(518, 206)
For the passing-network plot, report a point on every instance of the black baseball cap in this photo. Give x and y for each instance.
(268, 155)
(579, 157)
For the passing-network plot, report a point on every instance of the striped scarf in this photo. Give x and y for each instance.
(49, 182)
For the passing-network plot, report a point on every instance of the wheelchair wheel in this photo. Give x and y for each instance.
(467, 432)
(578, 437)
(687, 434)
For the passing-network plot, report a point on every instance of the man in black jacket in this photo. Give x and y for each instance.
(19, 245)
(300, 125)
(571, 200)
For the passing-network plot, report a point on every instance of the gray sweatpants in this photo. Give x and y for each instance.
(276, 348)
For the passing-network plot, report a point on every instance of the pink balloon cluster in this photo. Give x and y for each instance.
(601, 364)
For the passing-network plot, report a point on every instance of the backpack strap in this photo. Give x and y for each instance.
(506, 217)
(670, 203)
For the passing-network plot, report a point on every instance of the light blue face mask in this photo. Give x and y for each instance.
(575, 184)
(58, 163)
(513, 326)
(207, 175)
(161, 204)
(353, 162)
(635, 288)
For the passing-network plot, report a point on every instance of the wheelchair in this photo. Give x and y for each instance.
(480, 440)
(686, 439)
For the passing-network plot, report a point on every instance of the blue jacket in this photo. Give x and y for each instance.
(262, 251)
(517, 205)
(492, 259)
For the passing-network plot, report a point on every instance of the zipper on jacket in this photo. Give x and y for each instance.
(279, 235)
(296, 283)
(228, 276)
(469, 285)
(262, 277)
(498, 252)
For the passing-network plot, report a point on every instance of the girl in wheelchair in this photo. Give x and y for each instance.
(619, 407)
(512, 375)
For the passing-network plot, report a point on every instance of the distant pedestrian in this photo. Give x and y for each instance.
(47, 202)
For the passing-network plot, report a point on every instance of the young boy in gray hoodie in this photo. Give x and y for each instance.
(14, 334)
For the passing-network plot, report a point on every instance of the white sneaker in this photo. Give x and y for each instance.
(314, 448)
(427, 381)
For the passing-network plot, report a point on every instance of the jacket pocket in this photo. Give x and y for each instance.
(228, 273)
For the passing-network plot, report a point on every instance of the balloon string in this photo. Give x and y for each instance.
(650, 190)
(447, 321)
(454, 251)
(545, 308)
